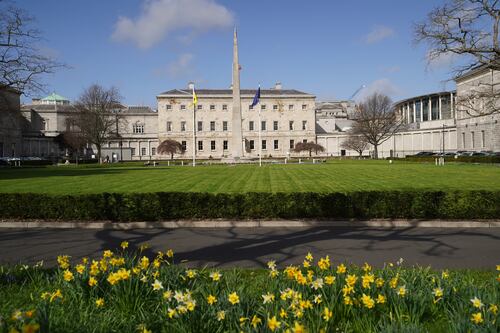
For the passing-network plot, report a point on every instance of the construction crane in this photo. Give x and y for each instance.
(356, 92)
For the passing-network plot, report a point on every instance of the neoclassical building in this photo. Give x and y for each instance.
(283, 116)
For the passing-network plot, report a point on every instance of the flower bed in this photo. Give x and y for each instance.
(130, 292)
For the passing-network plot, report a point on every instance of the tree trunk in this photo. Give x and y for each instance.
(99, 154)
(171, 156)
(360, 153)
(375, 151)
(310, 152)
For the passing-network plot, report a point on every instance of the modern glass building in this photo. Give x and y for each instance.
(430, 107)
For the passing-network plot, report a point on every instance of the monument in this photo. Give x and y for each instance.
(237, 136)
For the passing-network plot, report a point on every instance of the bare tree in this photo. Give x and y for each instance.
(96, 115)
(72, 140)
(308, 146)
(22, 65)
(170, 147)
(376, 120)
(469, 29)
(356, 143)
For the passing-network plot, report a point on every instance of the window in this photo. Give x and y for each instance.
(200, 126)
(264, 144)
(304, 125)
(275, 107)
(224, 107)
(304, 141)
(250, 126)
(212, 126)
(252, 144)
(472, 139)
(250, 107)
(169, 126)
(200, 145)
(463, 140)
(292, 144)
(263, 125)
(183, 107)
(263, 106)
(224, 126)
(153, 151)
(483, 142)
(275, 144)
(168, 107)
(183, 126)
(304, 106)
(199, 107)
(138, 129)
(290, 125)
(212, 145)
(143, 151)
(183, 145)
(44, 125)
(132, 151)
(290, 106)
(224, 144)
(212, 107)
(275, 125)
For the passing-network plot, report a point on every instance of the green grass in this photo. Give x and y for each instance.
(131, 302)
(342, 176)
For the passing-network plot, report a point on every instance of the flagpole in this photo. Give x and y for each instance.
(194, 131)
(260, 137)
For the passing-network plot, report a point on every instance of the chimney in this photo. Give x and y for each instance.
(191, 85)
(278, 86)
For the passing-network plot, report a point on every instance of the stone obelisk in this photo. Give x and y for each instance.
(237, 140)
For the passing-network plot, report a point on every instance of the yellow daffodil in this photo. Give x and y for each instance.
(30, 328)
(190, 305)
(327, 314)
(324, 263)
(144, 263)
(351, 279)
(215, 276)
(63, 261)
(68, 276)
(143, 247)
(156, 263)
(273, 273)
(445, 275)
(107, 254)
(329, 279)
(256, 321)
(56, 294)
(348, 300)
(80, 268)
(233, 298)
(221, 315)
(477, 318)
(367, 301)
(170, 253)
(211, 299)
(306, 264)
(493, 309)
(171, 313)
(476, 302)
(99, 302)
(124, 245)
(341, 269)
(366, 268)
(366, 280)
(317, 284)
(167, 295)
(381, 299)
(191, 273)
(402, 291)
(29, 313)
(298, 328)
(379, 282)
(393, 283)
(437, 292)
(317, 299)
(309, 257)
(273, 324)
(283, 313)
(92, 281)
(271, 264)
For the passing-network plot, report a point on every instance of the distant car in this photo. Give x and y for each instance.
(450, 154)
(479, 153)
(424, 153)
(465, 153)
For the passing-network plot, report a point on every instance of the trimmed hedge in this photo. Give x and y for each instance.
(463, 159)
(182, 205)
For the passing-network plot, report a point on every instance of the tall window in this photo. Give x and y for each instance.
(290, 107)
(153, 151)
(224, 107)
(483, 141)
(132, 151)
(264, 144)
(143, 151)
(168, 107)
(250, 125)
(304, 125)
(304, 106)
(263, 125)
(212, 145)
(183, 126)
(472, 140)
(169, 126)
(200, 145)
(275, 125)
(212, 107)
(199, 106)
(183, 107)
(275, 144)
(275, 107)
(44, 125)
(183, 145)
(263, 106)
(200, 126)
(418, 111)
(212, 126)
(138, 129)
(292, 144)
(290, 125)
(252, 144)
(224, 126)
(463, 140)
(224, 145)
(435, 108)
(425, 111)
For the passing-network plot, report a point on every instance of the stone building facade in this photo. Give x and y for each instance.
(286, 117)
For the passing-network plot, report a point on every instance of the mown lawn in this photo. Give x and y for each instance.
(338, 176)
